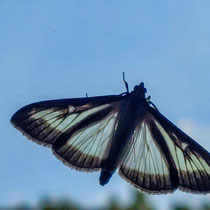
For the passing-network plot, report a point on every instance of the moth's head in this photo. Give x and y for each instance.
(140, 90)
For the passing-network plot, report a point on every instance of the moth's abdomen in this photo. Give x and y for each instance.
(105, 177)
(129, 117)
(108, 168)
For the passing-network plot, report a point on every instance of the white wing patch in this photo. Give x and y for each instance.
(93, 140)
(46, 125)
(144, 166)
(193, 170)
(86, 148)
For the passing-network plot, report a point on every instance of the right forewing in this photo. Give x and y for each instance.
(162, 158)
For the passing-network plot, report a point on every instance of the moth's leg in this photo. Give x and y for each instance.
(153, 105)
(126, 84)
(150, 102)
(123, 94)
(148, 99)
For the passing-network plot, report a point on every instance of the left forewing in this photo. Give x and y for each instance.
(78, 130)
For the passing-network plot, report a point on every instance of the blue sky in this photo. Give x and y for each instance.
(61, 49)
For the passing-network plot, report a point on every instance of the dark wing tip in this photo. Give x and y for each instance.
(16, 121)
(19, 115)
(13, 118)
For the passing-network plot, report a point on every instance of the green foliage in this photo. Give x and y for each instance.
(206, 206)
(139, 202)
(181, 207)
(58, 205)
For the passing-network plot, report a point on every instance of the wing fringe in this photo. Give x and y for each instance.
(66, 163)
(152, 192)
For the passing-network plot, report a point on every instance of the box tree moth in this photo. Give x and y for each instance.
(123, 132)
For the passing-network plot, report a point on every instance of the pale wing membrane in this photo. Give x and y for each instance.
(78, 135)
(162, 158)
(144, 165)
(193, 170)
(191, 160)
(44, 125)
(86, 147)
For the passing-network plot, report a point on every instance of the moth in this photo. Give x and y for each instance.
(123, 132)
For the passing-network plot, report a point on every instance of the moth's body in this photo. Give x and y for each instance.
(133, 112)
(122, 132)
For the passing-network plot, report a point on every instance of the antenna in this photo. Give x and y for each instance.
(126, 84)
